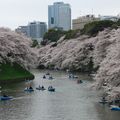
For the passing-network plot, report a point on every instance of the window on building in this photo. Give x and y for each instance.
(52, 20)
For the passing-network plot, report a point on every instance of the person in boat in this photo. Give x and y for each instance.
(42, 87)
(50, 87)
(69, 75)
(44, 76)
(30, 87)
(79, 81)
(119, 105)
(4, 95)
(103, 98)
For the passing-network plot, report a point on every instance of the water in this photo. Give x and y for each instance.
(71, 101)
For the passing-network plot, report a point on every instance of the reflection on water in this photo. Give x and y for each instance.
(71, 101)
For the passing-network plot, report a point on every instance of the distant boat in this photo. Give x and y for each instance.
(72, 76)
(75, 76)
(50, 77)
(103, 101)
(48, 73)
(40, 88)
(28, 89)
(6, 97)
(51, 89)
(115, 108)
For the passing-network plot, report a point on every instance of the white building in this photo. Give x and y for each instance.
(80, 22)
(107, 17)
(59, 16)
(22, 29)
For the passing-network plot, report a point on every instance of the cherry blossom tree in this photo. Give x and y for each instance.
(15, 47)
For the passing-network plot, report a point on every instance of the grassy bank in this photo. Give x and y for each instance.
(13, 73)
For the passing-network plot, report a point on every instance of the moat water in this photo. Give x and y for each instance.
(70, 101)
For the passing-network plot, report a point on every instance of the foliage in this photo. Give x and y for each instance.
(13, 71)
(43, 42)
(91, 29)
(94, 27)
(53, 35)
(71, 34)
(118, 22)
(51, 66)
(114, 26)
(34, 43)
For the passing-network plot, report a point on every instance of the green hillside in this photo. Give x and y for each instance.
(13, 73)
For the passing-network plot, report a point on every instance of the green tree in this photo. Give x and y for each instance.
(71, 34)
(53, 35)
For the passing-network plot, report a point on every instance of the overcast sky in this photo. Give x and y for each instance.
(14, 13)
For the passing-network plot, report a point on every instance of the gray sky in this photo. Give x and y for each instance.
(14, 13)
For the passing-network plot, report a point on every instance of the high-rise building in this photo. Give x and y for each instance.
(35, 30)
(59, 16)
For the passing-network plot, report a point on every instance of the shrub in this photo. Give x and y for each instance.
(94, 27)
(35, 43)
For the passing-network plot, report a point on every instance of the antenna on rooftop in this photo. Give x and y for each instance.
(80, 13)
(92, 11)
